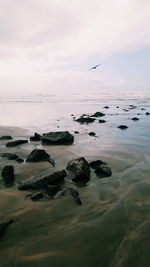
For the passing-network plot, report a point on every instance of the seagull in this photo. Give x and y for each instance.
(94, 68)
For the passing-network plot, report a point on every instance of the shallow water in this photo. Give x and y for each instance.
(111, 228)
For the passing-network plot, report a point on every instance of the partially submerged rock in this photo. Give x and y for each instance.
(135, 119)
(96, 163)
(80, 170)
(123, 127)
(16, 143)
(9, 156)
(57, 138)
(85, 120)
(5, 137)
(74, 193)
(106, 107)
(38, 155)
(37, 196)
(43, 182)
(147, 113)
(3, 227)
(103, 171)
(98, 114)
(8, 174)
(36, 137)
(101, 121)
(19, 160)
(76, 132)
(51, 190)
(92, 133)
(132, 107)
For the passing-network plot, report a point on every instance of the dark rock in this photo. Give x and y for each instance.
(36, 137)
(78, 200)
(123, 127)
(51, 190)
(98, 114)
(8, 174)
(102, 121)
(147, 113)
(38, 155)
(143, 108)
(135, 119)
(106, 107)
(3, 227)
(74, 193)
(57, 138)
(85, 120)
(80, 169)
(132, 107)
(37, 196)
(76, 132)
(51, 161)
(9, 156)
(5, 137)
(117, 107)
(92, 134)
(125, 109)
(103, 171)
(16, 143)
(19, 160)
(43, 182)
(96, 163)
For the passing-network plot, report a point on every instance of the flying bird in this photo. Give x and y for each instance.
(94, 68)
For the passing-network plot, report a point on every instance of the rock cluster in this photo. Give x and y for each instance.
(100, 168)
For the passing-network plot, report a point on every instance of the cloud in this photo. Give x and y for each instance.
(43, 37)
(69, 28)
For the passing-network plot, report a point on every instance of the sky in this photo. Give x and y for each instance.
(49, 46)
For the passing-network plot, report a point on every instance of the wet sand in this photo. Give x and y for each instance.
(111, 228)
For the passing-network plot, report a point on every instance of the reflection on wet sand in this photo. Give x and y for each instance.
(110, 228)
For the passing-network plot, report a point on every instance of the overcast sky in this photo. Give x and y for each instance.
(48, 45)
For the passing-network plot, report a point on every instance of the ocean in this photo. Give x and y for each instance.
(112, 226)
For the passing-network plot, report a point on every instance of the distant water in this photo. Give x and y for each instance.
(39, 110)
(87, 96)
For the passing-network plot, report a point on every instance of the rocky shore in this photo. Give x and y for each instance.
(73, 188)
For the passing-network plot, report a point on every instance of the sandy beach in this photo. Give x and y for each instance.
(111, 227)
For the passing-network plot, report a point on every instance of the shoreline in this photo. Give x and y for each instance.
(114, 209)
